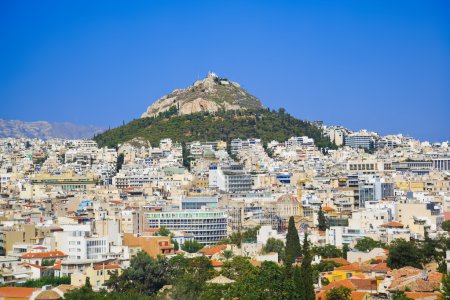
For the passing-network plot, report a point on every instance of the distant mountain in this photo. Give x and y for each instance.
(46, 130)
(212, 109)
(208, 95)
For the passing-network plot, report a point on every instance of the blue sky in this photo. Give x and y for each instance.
(380, 65)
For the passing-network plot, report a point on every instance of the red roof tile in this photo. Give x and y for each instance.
(16, 292)
(51, 254)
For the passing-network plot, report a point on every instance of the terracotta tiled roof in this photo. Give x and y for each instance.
(51, 254)
(327, 208)
(335, 284)
(380, 267)
(393, 224)
(423, 295)
(359, 295)
(211, 250)
(117, 202)
(16, 292)
(412, 279)
(447, 215)
(338, 260)
(216, 263)
(364, 284)
(352, 267)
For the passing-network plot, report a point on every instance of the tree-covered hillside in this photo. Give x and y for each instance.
(224, 125)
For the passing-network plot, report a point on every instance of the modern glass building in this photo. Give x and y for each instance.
(207, 227)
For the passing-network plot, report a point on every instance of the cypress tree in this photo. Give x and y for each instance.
(293, 248)
(306, 272)
(323, 224)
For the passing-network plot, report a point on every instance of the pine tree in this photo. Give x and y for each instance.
(323, 223)
(293, 247)
(306, 272)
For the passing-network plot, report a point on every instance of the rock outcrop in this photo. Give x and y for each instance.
(210, 94)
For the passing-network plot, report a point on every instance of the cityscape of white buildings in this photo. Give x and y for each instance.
(82, 207)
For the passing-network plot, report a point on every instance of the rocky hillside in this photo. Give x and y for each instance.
(46, 130)
(208, 95)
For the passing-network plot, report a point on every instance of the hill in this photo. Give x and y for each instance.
(207, 95)
(46, 130)
(221, 125)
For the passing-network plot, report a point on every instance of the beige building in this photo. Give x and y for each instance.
(98, 275)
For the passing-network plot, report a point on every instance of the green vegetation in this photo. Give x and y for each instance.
(446, 286)
(306, 273)
(239, 237)
(327, 251)
(446, 225)
(120, 160)
(323, 222)
(340, 293)
(293, 247)
(367, 244)
(48, 262)
(404, 253)
(419, 253)
(188, 278)
(53, 281)
(275, 245)
(191, 246)
(222, 125)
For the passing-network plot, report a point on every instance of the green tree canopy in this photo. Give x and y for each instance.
(367, 244)
(293, 248)
(191, 246)
(404, 253)
(340, 293)
(274, 245)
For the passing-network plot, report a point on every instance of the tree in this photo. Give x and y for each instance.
(190, 279)
(306, 272)
(293, 248)
(237, 237)
(327, 251)
(145, 274)
(191, 246)
(446, 225)
(322, 220)
(340, 293)
(227, 254)
(446, 286)
(274, 245)
(366, 244)
(120, 160)
(163, 231)
(239, 267)
(404, 253)
(345, 250)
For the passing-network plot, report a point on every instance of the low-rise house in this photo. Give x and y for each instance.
(38, 258)
(97, 275)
